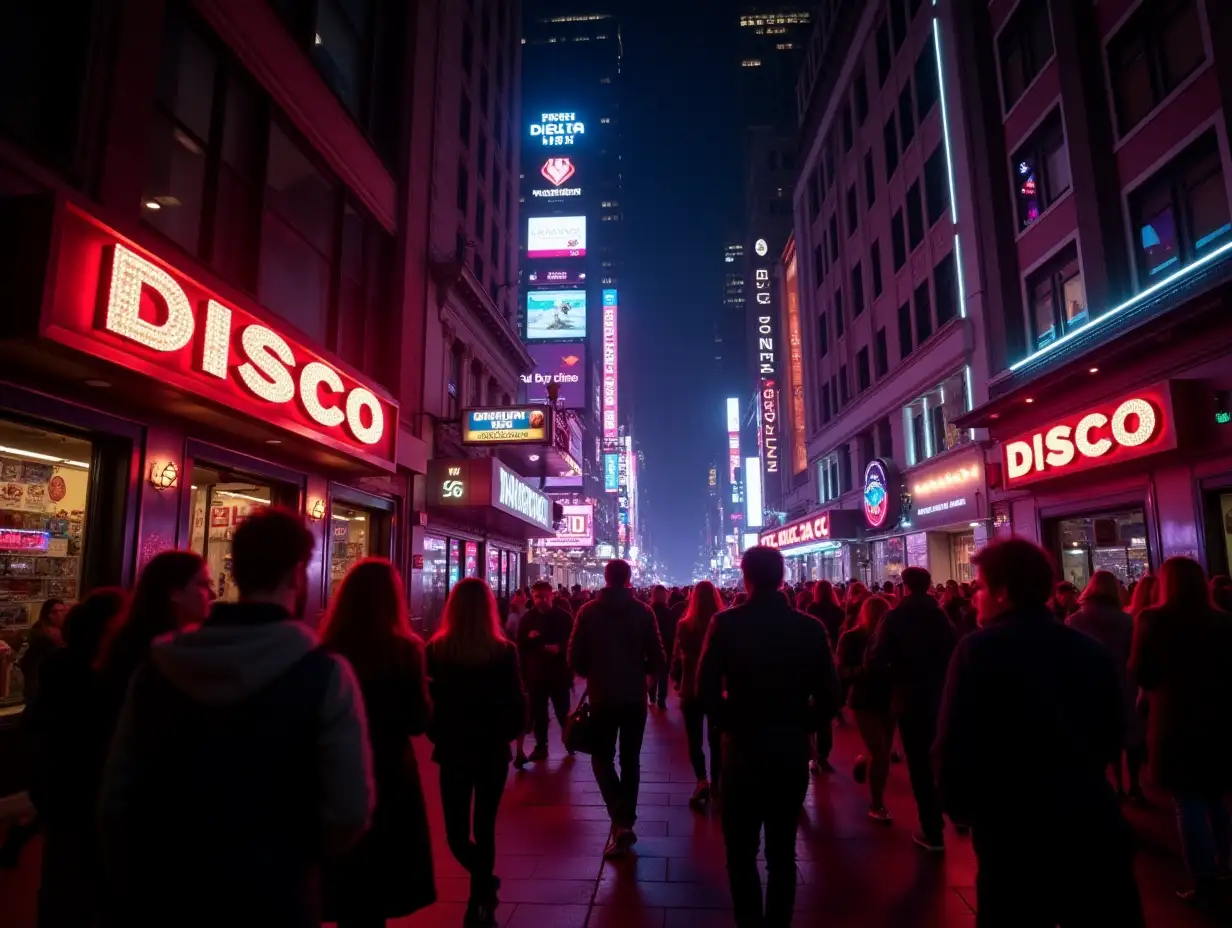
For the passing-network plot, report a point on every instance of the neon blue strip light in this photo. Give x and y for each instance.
(1128, 304)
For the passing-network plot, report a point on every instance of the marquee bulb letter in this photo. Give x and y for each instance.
(1018, 459)
(1146, 423)
(1060, 448)
(216, 351)
(129, 273)
(359, 399)
(269, 355)
(1082, 436)
(310, 379)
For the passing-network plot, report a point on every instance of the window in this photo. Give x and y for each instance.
(827, 156)
(881, 354)
(936, 185)
(363, 269)
(481, 215)
(906, 122)
(843, 397)
(1057, 300)
(860, 86)
(864, 444)
(898, 245)
(926, 89)
(834, 393)
(870, 179)
(863, 377)
(838, 313)
(464, 121)
(857, 290)
(874, 260)
(834, 237)
(1024, 45)
(923, 314)
(814, 201)
(1041, 170)
(827, 479)
(885, 439)
(823, 336)
(945, 280)
(1151, 55)
(898, 23)
(844, 468)
(904, 330)
(464, 189)
(819, 271)
(915, 216)
(342, 39)
(1182, 212)
(481, 153)
(883, 53)
(853, 211)
(848, 134)
(928, 421)
(890, 136)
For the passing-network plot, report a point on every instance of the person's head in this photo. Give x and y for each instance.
(704, 602)
(1144, 594)
(1102, 589)
(90, 621)
(1066, 594)
(658, 594)
(542, 594)
(917, 580)
(52, 614)
(823, 593)
(763, 569)
(804, 599)
(367, 617)
(518, 600)
(1182, 582)
(1013, 574)
(270, 552)
(1221, 590)
(576, 589)
(563, 603)
(617, 574)
(872, 611)
(470, 631)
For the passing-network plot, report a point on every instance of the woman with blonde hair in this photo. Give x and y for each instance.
(388, 874)
(1143, 597)
(869, 699)
(476, 685)
(690, 635)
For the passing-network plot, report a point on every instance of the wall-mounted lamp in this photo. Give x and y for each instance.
(165, 475)
(316, 510)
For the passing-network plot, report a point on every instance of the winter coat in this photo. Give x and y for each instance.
(686, 654)
(239, 763)
(388, 873)
(477, 709)
(912, 645)
(615, 645)
(1181, 658)
(1112, 627)
(868, 689)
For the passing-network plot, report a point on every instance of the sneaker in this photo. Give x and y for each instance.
(701, 796)
(880, 814)
(934, 844)
(860, 771)
(521, 761)
(540, 753)
(619, 842)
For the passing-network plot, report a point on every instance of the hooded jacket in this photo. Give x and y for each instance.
(240, 761)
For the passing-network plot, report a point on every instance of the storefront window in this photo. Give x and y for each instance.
(962, 549)
(455, 561)
(887, 559)
(350, 541)
(917, 550)
(434, 579)
(472, 559)
(1114, 541)
(220, 503)
(44, 488)
(493, 573)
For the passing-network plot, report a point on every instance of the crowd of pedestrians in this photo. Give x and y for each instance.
(228, 763)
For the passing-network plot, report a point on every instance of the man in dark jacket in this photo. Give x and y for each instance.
(912, 648)
(241, 756)
(775, 666)
(666, 619)
(1030, 721)
(543, 636)
(615, 646)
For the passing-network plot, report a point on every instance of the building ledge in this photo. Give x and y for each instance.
(456, 279)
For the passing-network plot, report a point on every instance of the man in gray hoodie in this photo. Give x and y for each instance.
(241, 756)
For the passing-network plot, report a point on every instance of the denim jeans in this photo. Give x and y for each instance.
(628, 723)
(1206, 833)
(695, 723)
(657, 687)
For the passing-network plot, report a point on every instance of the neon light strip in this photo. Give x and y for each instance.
(1128, 304)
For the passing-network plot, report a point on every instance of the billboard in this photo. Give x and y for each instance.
(610, 350)
(563, 364)
(795, 366)
(733, 447)
(577, 528)
(556, 237)
(557, 130)
(507, 425)
(555, 314)
(752, 496)
(555, 278)
(561, 175)
(611, 473)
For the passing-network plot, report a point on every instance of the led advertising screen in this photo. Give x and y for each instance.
(555, 278)
(563, 364)
(507, 425)
(556, 237)
(577, 529)
(557, 130)
(611, 473)
(610, 345)
(561, 177)
(555, 314)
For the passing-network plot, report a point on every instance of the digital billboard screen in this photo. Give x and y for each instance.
(555, 278)
(611, 305)
(577, 529)
(507, 425)
(563, 364)
(556, 237)
(555, 314)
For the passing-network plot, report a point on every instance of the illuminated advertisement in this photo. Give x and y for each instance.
(950, 492)
(733, 447)
(882, 495)
(577, 528)
(561, 364)
(611, 473)
(610, 350)
(814, 528)
(557, 130)
(555, 314)
(557, 172)
(507, 425)
(795, 367)
(752, 496)
(556, 237)
(767, 369)
(555, 278)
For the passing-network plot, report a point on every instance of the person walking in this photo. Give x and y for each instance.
(767, 675)
(517, 609)
(240, 760)
(388, 873)
(615, 646)
(704, 604)
(911, 649)
(667, 621)
(543, 637)
(44, 639)
(479, 706)
(1181, 652)
(868, 695)
(826, 608)
(1100, 615)
(1031, 718)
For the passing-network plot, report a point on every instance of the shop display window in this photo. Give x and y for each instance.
(351, 532)
(887, 559)
(472, 559)
(44, 499)
(1113, 541)
(455, 562)
(962, 549)
(221, 501)
(917, 550)
(493, 572)
(434, 579)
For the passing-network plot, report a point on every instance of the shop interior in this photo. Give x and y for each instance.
(1113, 541)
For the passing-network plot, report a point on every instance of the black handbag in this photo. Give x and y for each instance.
(579, 733)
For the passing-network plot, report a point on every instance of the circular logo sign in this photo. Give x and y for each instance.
(56, 489)
(881, 494)
(761, 247)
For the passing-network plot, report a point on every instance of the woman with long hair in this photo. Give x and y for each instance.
(43, 639)
(1143, 597)
(869, 699)
(476, 685)
(704, 604)
(388, 873)
(1182, 649)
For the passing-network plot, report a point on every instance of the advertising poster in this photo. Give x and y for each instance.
(555, 314)
(561, 364)
(577, 528)
(556, 237)
(610, 363)
(611, 473)
(505, 426)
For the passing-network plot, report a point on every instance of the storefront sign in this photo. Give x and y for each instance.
(953, 491)
(611, 472)
(795, 367)
(829, 525)
(577, 529)
(882, 495)
(477, 484)
(610, 353)
(518, 425)
(519, 498)
(24, 540)
(119, 302)
(1120, 430)
(556, 129)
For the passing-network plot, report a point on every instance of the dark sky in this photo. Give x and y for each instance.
(682, 181)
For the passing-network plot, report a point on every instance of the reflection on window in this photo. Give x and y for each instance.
(929, 422)
(1041, 171)
(350, 540)
(221, 501)
(1151, 55)
(1057, 297)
